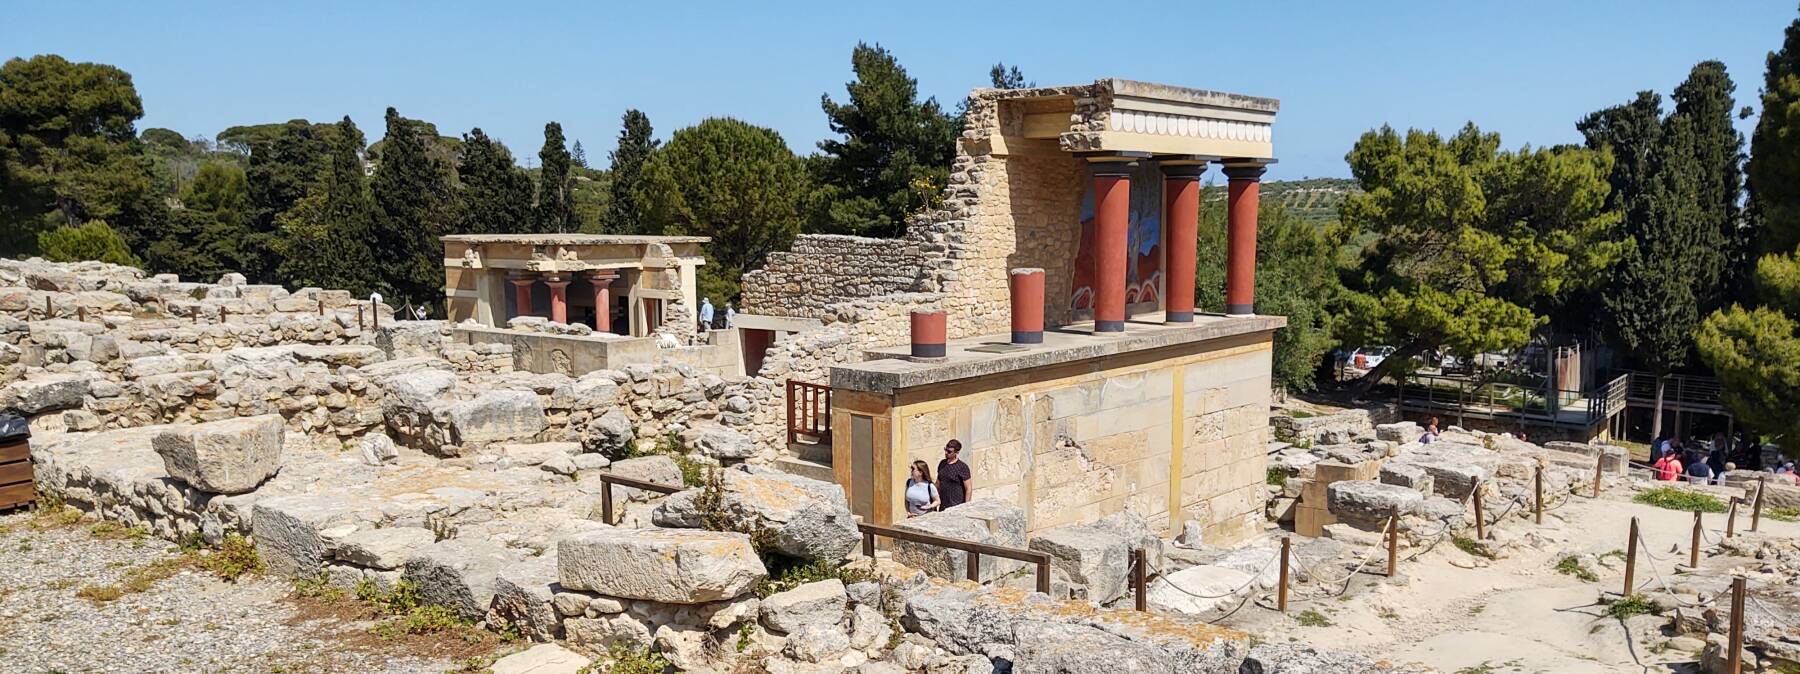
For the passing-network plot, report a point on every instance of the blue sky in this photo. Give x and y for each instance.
(1528, 70)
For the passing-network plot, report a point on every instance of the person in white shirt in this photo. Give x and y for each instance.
(706, 313)
(921, 492)
(730, 315)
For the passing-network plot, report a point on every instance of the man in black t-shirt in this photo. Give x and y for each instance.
(953, 475)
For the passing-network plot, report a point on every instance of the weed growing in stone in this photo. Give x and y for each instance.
(1312, 618)
(1571, 566)
(743, 640)
(317, 587)
(100, 593)
(810, 572)
(1470, 546)
(1781, 514)
(1632, 605)
(1277, 477)
(623, 659)
(1679, 499)
(235, 557)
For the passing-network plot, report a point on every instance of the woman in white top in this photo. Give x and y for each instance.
(921, 492)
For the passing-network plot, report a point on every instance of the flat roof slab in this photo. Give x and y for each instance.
(889, 370)
(572, 239)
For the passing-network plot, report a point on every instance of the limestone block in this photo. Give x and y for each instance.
(542, 659)
(523, 595)
(657, 468)
(1370, 501)
(287, 530)
(46, 393)
(1096, 557)
(496, 416)
(383, 548)
(377, 449)
(675, 566)
(1042, 646)
(459, 574)
(719, 442)
(601, 633)
(819, 603)
(811, 519)
(1400, 432)
(231, 456)
(817, 643)
(1406, 475)
(983, 520)
(1197, 589)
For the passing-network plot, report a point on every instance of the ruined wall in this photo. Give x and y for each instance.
(824, 269)
(1078, 447)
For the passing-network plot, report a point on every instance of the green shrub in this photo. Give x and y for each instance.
(1312, 618)
(1632, 605)
(623, 659)
(1675, 498)
(1472, 547)
(808, 572)
(1277, 477)
(1781, 514)
(235, 557)
(1571, 566)
(91, 241)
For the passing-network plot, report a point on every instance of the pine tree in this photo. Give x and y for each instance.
(496, 193)
(635, 146)
(416, 195)
(1008, 78)
(554, 212)
(1705, 100)
(894, 155)
(325, 236)
(578, 155)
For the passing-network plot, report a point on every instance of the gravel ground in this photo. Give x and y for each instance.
(189, 622)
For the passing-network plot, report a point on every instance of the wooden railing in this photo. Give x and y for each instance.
(607, 480)
(975, 550)
(808, 411)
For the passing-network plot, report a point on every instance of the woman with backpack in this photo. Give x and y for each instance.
(921, 492)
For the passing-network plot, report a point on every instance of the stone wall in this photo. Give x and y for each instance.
(823, 269)
(1076, 449)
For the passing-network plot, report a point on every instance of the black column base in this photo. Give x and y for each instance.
(1240, 309)
(928, 350)
(1109, 326)
(1028, 337)
(1178, 317)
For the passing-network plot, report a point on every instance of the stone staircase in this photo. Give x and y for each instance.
(807, 459)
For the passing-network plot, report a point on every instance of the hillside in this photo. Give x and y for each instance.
(1315, 200)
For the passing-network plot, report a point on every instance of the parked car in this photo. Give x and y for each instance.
(1370, 357)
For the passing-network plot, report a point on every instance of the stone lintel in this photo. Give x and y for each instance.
(887, 370)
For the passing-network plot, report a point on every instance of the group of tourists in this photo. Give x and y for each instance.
(952, 487)
(707, 316)
(1707, 461)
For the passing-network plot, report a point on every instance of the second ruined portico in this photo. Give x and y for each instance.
(613, 283)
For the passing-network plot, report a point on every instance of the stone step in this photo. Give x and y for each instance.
(816, 452)
(1276, 446)
(803, 468)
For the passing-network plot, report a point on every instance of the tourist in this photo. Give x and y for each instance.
(1699, 472)
(1431, 432)
(1659, 447)
(921, 493)
(730, 316)
(706, 313)
(1668, 468)
(953, 477)
(420, 313)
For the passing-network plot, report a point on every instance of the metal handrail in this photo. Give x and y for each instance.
(975, 550)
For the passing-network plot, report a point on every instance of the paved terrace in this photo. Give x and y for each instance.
(888, 370)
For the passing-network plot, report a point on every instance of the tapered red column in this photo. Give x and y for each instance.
(559, 299)
(1112, 230)
(1181, 218)
(522, 294)
(602, 300)
(1240, 234)
(1026, 286)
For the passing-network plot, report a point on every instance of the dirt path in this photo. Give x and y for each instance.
(1459, 613)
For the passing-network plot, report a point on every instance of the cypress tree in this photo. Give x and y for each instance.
(893, 158)
(554, 212)
(415, 193)
(1774, 169)
(325, 236)
(635, 146)
(496, 193)
(1705, 100)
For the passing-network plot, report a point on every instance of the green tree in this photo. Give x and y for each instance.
(1755, 352)
(1475, 244)
(734, 182)
(554, 210)
(1008, 78)
(415, 194)
(1296, 277)
(287, 162)
(325, 237)
(92, 240)
(635, 147)
(69, 151)
(893, 157)
(578, 155)
(496, 193)
(203, 234)
(1705, 100)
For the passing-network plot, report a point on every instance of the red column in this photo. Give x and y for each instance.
(929, 330)
(522, 296)
(1027, 291)
(602, 300)
(1112, 232)
(559, 299)
(1240, 260)
(1181, 222)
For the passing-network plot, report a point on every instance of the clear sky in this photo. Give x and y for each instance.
(1528, 70)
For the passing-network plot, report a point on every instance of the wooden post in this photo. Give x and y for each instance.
(1694, 545)
(224, 314)
(359, 321)
(1140, 590)
(1631, 559)
(1480, 519)
(1393, 542)
(1597, 468)
(974, 566)
(1756, 510)
(606, 504)
(868, 545)
(1043, 575)
(1731, 518)
(81, 314)
(1736, 659)
(375, 314)
(195, 315)
(1282, 588)
(321, 307)
(1539, 484)
(49, 309)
